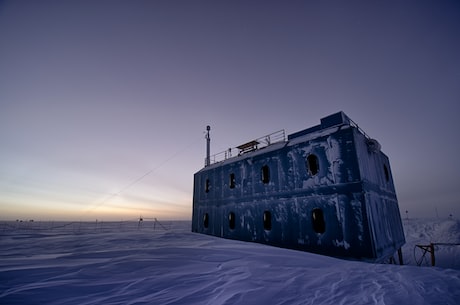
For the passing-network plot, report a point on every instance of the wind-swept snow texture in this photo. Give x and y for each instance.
(135, 263)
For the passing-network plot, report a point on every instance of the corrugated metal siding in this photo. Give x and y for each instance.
(381, 201)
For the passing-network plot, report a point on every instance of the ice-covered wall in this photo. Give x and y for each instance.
(315, 197)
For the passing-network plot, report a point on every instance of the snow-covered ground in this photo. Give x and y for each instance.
(164, 263)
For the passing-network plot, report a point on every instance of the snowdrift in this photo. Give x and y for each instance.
(165, 263)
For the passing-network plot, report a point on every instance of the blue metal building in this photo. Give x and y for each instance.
(327, 189)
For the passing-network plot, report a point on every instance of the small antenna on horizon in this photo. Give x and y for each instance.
(208, 147)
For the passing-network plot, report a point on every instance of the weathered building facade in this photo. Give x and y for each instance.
(327, 189)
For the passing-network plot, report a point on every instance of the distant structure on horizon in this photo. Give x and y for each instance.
(327, 189)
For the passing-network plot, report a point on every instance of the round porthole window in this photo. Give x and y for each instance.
(267, 220)
(312, 164)
(317, 217)
(386, 172)
(231, 220)
(232, 181)
(265, 174)
(206, 220)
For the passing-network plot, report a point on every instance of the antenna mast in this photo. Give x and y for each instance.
(208, 147)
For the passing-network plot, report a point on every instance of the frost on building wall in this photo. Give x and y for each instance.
(327, 189)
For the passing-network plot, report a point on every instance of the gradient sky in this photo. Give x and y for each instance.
(95, 95)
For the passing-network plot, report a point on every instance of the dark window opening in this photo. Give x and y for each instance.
(317, 218)
(265, 174)
(312, 164)
(206, 220)
(386, 172)
(207, 186)
(267, 220)
(232, 180)
(231, 220)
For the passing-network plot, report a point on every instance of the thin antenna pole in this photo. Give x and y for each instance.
(208, 147)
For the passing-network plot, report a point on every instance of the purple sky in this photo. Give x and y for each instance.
(95, 94)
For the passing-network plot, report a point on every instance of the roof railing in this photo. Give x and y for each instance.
(259, 143)
(353, 123)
